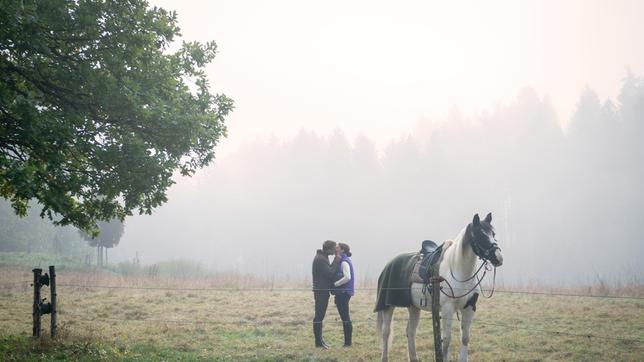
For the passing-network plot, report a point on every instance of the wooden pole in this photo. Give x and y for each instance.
(36, 306)
(52, 288)
(436, 319)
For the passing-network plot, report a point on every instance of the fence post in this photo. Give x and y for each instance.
(52, 288)
(436, 319)
(36, 306)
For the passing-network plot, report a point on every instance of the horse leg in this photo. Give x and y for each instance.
(412, 325)
(385, 318)
(447, 313)
(467, 316)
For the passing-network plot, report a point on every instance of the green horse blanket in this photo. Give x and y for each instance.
(395, 281)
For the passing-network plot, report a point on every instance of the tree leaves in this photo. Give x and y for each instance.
(95, 115)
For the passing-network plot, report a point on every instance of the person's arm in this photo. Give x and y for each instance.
(346, 275)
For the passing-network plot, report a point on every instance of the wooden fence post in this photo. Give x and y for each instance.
(52, 288)
(36, 306)
(436, 319)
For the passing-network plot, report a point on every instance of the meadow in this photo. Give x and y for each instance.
(107, 316)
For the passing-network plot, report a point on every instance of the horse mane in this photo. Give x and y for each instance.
(459, 242)
(447, 244)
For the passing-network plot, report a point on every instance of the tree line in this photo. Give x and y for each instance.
(567, 198)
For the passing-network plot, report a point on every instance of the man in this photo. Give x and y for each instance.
(323, 274)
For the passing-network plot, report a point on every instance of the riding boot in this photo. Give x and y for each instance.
(348, 331)
(317, 332)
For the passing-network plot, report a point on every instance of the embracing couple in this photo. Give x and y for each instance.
(336, 278)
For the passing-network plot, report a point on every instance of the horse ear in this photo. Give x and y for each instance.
(488, 218)
(476, 220)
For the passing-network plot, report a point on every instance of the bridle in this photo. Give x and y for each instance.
(484, 254)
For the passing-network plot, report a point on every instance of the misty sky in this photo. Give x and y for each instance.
(378, 67)
(346, 128)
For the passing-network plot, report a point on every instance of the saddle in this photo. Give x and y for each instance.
(429, 255)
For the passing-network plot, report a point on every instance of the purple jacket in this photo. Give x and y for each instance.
(349, 286)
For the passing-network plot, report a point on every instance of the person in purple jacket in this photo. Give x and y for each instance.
(344, 290)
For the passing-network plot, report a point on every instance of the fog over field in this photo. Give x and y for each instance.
(381, 126)
(567, 206)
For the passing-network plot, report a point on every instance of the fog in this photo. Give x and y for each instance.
(567, 204)
(382, 124)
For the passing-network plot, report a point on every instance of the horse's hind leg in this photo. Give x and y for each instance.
(467, 316)
(412, 325)
(385, 318)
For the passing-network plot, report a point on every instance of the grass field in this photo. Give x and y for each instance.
(130, 323)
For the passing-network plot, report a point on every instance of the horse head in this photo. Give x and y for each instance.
(483, 240)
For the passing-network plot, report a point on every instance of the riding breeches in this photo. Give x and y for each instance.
(342, 302)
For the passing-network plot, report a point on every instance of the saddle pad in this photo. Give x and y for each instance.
(415, 273)
(421, 296)
(394, 281)
(430, 254)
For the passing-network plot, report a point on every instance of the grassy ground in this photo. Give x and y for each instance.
(263, 325)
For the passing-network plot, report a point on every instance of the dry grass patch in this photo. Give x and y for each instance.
(264, 325)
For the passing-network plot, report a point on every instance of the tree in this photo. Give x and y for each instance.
(95, 113)
(109, 237)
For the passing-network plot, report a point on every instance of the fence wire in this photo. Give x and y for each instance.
(266, 289)
(4, 284)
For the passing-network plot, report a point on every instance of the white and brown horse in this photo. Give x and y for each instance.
(460, 291)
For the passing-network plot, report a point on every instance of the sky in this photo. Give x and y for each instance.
(363, 79)
(380, 68)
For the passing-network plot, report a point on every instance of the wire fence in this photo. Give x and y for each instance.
(636, 342)
(280, 289)
(4, 284)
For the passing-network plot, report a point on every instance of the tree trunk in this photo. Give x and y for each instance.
(100, 256)
(105, 256)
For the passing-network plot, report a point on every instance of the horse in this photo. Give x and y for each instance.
(458, 269)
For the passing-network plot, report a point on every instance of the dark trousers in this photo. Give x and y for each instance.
(342, 302)
(321, 303)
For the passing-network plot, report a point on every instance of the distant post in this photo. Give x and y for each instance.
(436, 319)
(36, 307)
(52, 288)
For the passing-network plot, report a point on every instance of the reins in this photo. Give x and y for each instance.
(470, 278)
(479, 281)
(484, 255)
(453, 296)
(493, 285)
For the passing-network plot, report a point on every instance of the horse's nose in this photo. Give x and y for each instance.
(499, 257)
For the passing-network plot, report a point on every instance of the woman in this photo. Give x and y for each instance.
(344, 290)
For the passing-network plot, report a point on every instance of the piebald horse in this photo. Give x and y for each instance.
(459, 293)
